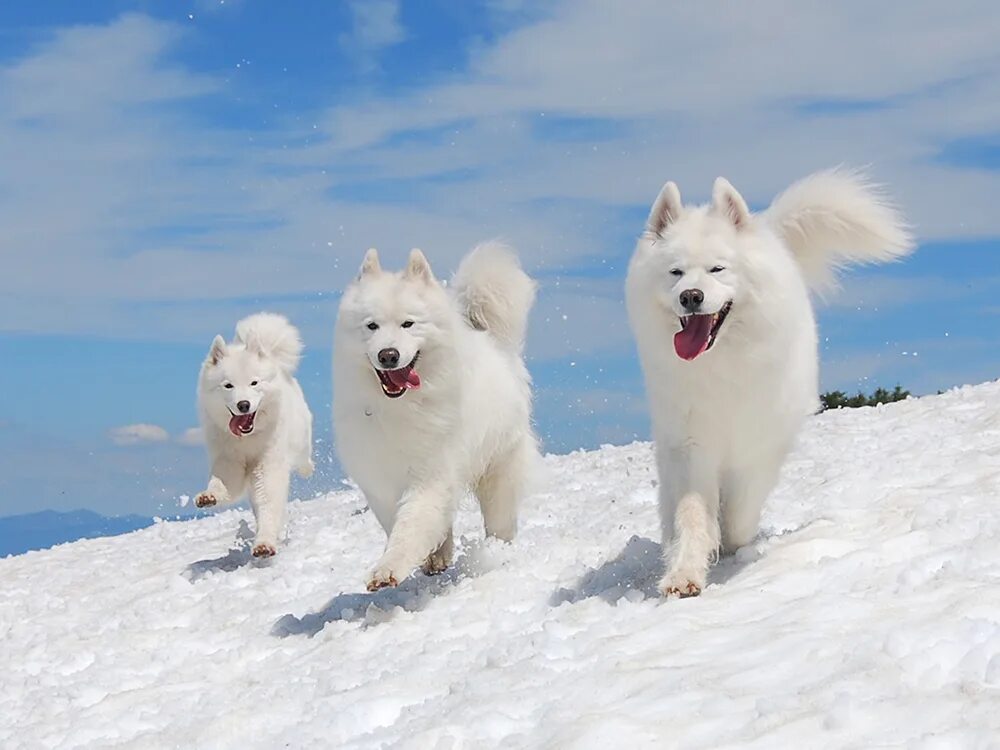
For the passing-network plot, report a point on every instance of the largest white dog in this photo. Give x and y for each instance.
(431, 398)
(256, 421)
(718, 300)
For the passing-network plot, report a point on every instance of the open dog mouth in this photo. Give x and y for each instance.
(397, 382)
(698, 332)
(242, 424)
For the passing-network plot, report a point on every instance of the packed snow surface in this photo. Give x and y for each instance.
(866, 614)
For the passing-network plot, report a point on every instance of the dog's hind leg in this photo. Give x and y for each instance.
(500, 488)
(305, 466)
(421, 525)
(439, 560)
(269, 499)
(689, 514)
(226, 485)
(743, 499)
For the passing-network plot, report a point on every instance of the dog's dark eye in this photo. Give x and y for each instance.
(373, 326)
(407, 323)
(228, 386)
(716, 269)
(253, 383)
(676, 272)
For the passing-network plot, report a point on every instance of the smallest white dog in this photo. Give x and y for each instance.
(257, 424)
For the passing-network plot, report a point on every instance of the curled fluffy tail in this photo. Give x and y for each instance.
(495, 294)
(834, 218)
(272, 335)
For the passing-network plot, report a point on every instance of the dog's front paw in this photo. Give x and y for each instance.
(381, 578)
(205, 499)
(681, 584)
(306, 470)
(263, 549)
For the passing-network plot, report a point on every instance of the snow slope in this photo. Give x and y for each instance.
(867, 614)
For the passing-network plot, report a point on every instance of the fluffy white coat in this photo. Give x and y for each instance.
(456, 413)
(256, 422)
(725, 418)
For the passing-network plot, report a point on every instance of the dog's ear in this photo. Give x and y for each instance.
(728, 203)
(418, 267)
(217, 351)
(666, 209)
(370, 265)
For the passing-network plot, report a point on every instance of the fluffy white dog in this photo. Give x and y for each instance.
(432, 398)
(732, 290)
(256, 422)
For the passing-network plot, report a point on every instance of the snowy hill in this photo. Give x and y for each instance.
(867, 614)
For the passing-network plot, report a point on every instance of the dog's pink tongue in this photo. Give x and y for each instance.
(239, 423)
(404, 377)
(692, 340)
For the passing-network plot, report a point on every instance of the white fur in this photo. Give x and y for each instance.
(259, 364)
(468, 425)
(724, 421)
(494, 294)
(834, 218)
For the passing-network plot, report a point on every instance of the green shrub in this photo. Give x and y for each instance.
(840, 400)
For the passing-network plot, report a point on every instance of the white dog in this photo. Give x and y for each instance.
(432, 398)
(732, 290)
(256, 422)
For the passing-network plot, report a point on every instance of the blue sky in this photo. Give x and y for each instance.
(171, 166)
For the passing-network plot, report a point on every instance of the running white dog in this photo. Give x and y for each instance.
(256, 422)
(432, 398)
(727, 399)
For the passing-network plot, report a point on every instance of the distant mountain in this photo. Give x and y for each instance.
(48, 528)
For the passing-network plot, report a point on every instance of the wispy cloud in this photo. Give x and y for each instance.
(375, 27)
(192, 436)
(143, 433)
(134, 434)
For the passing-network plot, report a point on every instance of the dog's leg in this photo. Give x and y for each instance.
(439, 560)
(689, 514)
(305, 465)
(693, 548)
(421, 524)
(383, 506)
(269, 499)
(499, 490)
(745, 493)
(227, 483)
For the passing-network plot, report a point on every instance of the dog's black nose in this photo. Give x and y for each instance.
(389, 358)
(691, 299)
(243, 407)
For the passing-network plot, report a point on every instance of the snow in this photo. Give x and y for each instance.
(866, 614)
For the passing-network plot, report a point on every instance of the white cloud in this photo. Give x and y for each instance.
(191, 436)
(134, 434)
(375, 27)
